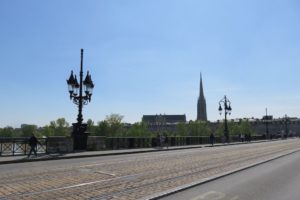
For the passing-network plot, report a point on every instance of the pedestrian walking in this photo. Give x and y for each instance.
(33, 143)
(167, 141)
(212, 139)
(248, 137)
(242, 138)
(162, 140)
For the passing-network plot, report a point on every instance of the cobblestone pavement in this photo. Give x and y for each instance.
(137, 176)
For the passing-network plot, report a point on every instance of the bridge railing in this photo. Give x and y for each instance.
(151, 142)
(20, 146)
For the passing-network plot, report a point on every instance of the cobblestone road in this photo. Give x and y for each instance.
(134, 176)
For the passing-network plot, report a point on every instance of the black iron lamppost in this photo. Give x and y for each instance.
(227, 110)
(76, 94)
(160, 123)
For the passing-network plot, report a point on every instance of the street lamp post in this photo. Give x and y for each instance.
(76, 94)
(227, 110)
(160, 123)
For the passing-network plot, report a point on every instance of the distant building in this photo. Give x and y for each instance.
(277, 126)
(201, 106)
(168, 119)
(267, 117)
(163, 122)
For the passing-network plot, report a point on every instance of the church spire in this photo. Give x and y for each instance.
(201, 106)
(201, 86)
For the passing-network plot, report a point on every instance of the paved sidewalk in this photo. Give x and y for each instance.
(43, 157)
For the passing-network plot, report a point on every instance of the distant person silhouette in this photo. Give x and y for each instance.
(212, 139)
(166, 140)
(33, 143)
(161, 140)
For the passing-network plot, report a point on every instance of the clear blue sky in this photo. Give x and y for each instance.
(145, 57)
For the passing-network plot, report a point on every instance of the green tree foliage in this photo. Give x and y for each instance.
(235, 128)
(246, 128)
(60, 127)
(181, 129)
(28, 130)
(7, 132)
(102, 129)
(220, 129)
(205, 128)
(92, 129)
(241, 127)
(193, 128)
(112, 126)
(90, 126)
(138, 129)
(114, 118)
(198, 128)
(90, 122)
(114, 122)
(48, 131)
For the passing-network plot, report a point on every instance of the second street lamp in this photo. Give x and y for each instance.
(227, 110)
(160, 122)
(76, 94)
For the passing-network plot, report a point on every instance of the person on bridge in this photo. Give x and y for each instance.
(212, 139)
(161, 141)
(33, 144)
(166, 140)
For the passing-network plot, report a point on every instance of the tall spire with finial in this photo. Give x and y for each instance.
(201, 106)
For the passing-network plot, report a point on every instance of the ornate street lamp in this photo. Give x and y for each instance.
(160, 121)
(76, 94)
(227, 110)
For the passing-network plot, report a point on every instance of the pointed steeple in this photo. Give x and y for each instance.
(201, 94)
(201, 106)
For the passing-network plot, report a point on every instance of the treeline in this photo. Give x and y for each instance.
(113, 126)
(60, 127)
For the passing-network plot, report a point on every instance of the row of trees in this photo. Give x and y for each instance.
(113, 126)
(60, 127)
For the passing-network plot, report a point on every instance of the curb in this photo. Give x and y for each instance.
(212, 178)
